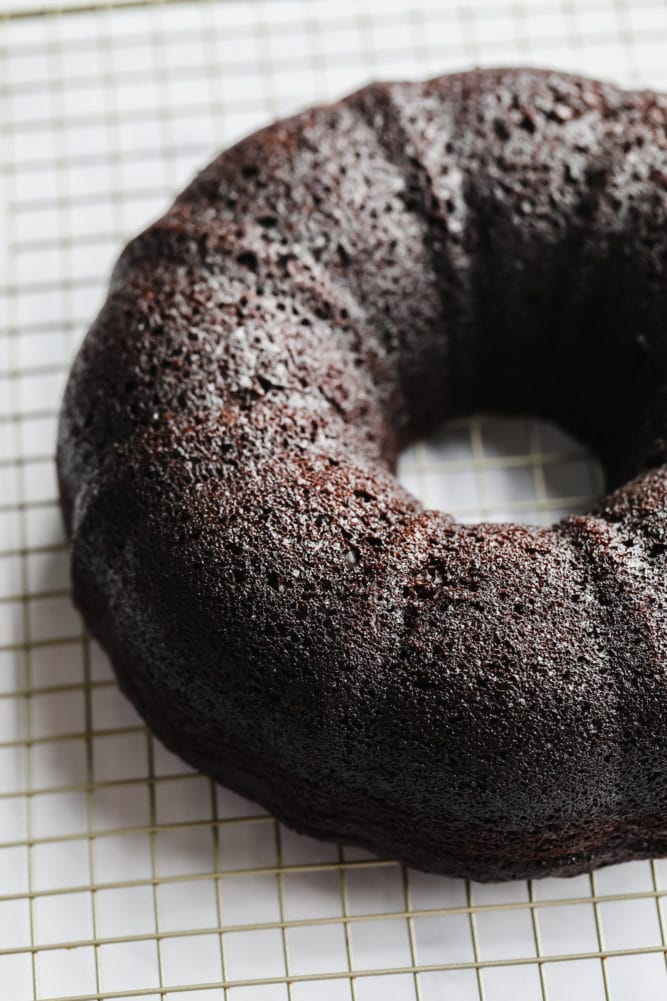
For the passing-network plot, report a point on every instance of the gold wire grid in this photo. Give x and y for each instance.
(122, 873)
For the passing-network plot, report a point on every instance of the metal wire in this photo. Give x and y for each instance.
(123, 874)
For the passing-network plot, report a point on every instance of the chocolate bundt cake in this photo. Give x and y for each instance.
(487, 700)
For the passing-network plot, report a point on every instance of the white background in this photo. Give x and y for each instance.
(122, 873)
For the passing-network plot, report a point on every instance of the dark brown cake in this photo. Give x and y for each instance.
(486, 700)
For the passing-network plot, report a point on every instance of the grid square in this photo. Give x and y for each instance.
(236, 49)
(186, 54)
(505, 934)
(136, 98)
(375, 890)
(11, 620)
(44, 304)
(312, 895)
(6, 388)
(63, 762)
(111, 710)
(31, 106)
(121, 806)
(14, 924)
(187, 905)
(39, 391)
(10, 531)
(60, 813)
(516, 981)
(33, 66)
(86, 102)
(85, 301)
(123, 857)
(639, 978)
(510, 486)
(443, 938)
(93, 256)
(61, 864)
(374, 940)
(27, 218)
(13, 768)
(134, 137)
(120, 756)
(248, 846)
(13, 819)
(37, 434)
(574, 978)
(183, 800)
(42, 346)
(567, 929)
(86, 220)
(129, 966)
(317, 949)
(10, 576)
(64, 917)
(192, 959)
(243, 948)
(142, 173)
(10, 473)
(246, 897)
(126, 910)
(57, 714)
(16, 976)
(14, 870)
(57, 665)
(629, 924)
(387, 36)
(80, 73)
(84, 180)
(495, 27)
(13, 718)
(184, 852)
(12, 670)
(47, 571)
(571, 478)
(52, 618)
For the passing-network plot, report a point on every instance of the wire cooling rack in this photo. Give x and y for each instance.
(123, 874)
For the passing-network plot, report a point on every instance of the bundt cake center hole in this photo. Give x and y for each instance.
(488, 468)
